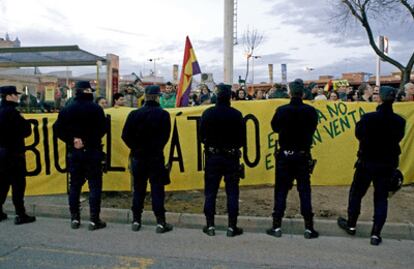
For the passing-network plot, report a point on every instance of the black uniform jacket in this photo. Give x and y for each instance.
(296, 123)
(84, 119)
(379, 134)
(147, 130)
(222, 127)
(13, 128)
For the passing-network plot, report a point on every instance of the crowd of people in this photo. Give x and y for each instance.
(203, 95)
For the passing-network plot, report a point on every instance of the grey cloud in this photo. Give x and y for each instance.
(280, 57)
(319, 17)
(362, 64)
(35, 37)
(215, 44)
(117, 31)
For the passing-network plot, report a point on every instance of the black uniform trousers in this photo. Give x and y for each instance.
(288, 168)
(12, 173)
(85, 164)
(379, 175)
(217, 166)
(144, 169)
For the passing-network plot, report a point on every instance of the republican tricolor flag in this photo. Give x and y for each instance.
(190, 67)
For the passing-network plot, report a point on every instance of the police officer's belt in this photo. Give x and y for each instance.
(213, 150)
(294, 152)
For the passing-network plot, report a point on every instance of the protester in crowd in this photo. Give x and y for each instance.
(81, 125)
(342, 92)
(376, 164)
(241, 94)
(205, 96)
(333, 96)
(271, 93)
(14, 129)
(168, 98)
(313, 89)
(102, 102)
(233, 95)
(365, 92)
(119, 100)
(375, 94)
(281, 91)
(194, 99)
(409, 91)
(222, 131)
(259, 95)
(320, 95)
(352, 95)
(146, 132)
(295, 123)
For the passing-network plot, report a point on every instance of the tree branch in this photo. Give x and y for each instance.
(407, 5)
(363, 18)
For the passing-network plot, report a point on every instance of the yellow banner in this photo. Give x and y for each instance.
(335, 147)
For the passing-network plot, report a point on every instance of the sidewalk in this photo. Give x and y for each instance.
(55, 206)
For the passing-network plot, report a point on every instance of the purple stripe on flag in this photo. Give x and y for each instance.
(186, 96)
(196, 68)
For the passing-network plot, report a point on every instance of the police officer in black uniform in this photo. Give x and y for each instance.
(223, 133)
(379, 134)
(295, 123)
(81, 125)
(14, 128)
(146, 132)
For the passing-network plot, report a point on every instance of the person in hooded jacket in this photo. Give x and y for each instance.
(81, 125)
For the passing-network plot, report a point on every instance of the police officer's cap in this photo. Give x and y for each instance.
(8, 90)
(83, 85)
(223, 90)
(153, 90)
(387, 93)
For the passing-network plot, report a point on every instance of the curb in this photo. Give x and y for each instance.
(400, 231)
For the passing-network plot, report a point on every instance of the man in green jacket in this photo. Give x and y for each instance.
(167, 100)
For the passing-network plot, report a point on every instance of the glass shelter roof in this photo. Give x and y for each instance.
(47, 56)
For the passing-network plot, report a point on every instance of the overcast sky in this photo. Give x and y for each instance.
(300, 33)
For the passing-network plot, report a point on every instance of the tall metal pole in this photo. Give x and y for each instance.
(228, 41)
(378, 69)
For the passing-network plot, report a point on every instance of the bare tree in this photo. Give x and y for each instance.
(364, 11)
(251, 40)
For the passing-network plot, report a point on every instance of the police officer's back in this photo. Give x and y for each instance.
(81, 125)
(222, 132)
(295, 123)
(379, 134)
(14, 128)
(146, 132)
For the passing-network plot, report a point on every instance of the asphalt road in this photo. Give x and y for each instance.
(50, 243)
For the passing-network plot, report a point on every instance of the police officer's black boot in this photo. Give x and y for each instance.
(209, 229)
(233, 230)
(349, 226)
(22, 217)
(96, 223)
(162, 226)
(375, 235)
(3, 216)
(136, 223)
(309, 231)
(276, 230)
(75, 221)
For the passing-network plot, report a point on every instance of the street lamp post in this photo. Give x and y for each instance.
(154, 61)
(254, 57)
